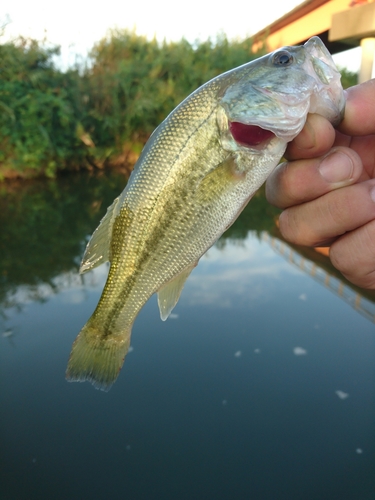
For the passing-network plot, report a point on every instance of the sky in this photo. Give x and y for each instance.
(76, 25)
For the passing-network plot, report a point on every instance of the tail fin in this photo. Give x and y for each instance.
(97, 359)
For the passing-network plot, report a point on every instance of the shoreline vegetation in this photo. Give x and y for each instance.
(101, 114)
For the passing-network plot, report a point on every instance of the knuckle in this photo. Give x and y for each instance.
(340, 259)
(292, 183)
(293, 229)
(338, 208)
(286, 226)
(354, 256)
(278, 186)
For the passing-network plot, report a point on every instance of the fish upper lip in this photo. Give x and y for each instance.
(284, 97)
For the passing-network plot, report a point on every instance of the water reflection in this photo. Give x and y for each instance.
(259, 386)
(44, 229)
(45, 226)
(316, 263)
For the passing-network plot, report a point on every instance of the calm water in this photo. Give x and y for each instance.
(261, 385)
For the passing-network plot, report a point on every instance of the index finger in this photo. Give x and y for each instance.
(315, 139)
(318, 135)
(359, 118)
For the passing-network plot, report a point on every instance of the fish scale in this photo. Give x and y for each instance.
(192, 180)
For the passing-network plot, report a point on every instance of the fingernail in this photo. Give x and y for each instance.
(336, 167)
(372, 194)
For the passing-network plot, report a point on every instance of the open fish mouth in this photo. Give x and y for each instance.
(275, 96)
(249, 135)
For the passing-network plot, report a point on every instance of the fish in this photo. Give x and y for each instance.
(196, 173)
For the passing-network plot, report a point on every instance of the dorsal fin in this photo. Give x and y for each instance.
(98, 248)
(169, 294)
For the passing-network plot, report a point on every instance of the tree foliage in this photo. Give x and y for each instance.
(52, 120)
(348, 78)
(38, 111)
(103, 113)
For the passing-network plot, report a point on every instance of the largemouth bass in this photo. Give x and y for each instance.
(196, 173)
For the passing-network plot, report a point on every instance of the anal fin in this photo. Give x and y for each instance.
(169, 294)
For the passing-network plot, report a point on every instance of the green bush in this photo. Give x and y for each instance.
(103, 113)
(38, 111)
(52, 120)
(133, 83)
(348, 78)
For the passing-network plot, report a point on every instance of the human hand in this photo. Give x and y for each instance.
(327, 188)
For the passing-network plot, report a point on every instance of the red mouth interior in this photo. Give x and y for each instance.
(249, 135)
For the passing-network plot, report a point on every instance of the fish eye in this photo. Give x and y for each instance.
(282, 58)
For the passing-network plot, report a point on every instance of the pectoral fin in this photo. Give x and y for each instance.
(169, 294)
(219, 181)
(98, 249)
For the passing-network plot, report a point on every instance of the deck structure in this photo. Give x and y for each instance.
(341, 24)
